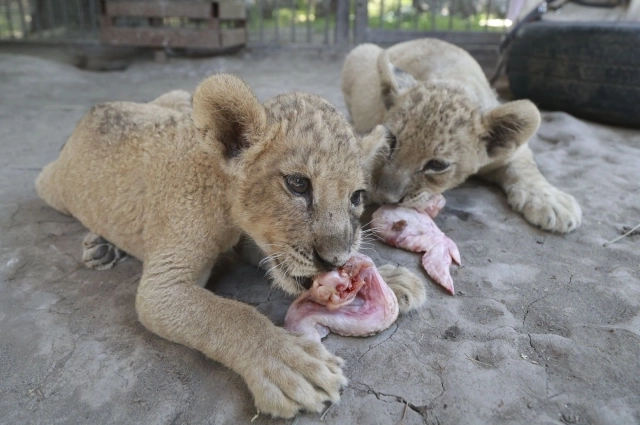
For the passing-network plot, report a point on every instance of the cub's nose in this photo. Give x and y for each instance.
(391, 198)
(328, 262)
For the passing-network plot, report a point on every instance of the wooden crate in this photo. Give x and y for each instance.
(220, 25)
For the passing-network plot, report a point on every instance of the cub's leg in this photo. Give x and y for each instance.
(178, 100)
(530, 193)
(285, 372)
(100, 254)
(408, 287)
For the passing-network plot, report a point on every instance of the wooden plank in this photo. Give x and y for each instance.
(160, 9)
(234, 37)
(229, 11)
(161, 37)
(379, 36)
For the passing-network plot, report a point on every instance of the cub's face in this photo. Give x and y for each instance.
(439, 135)
(432, 145)
(295, 173)
(300, 194)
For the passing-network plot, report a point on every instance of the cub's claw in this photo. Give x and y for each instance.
(100, 254)
(294, 374)
(408, 287)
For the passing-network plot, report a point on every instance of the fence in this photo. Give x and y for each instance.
(49, 20)
(284, 22)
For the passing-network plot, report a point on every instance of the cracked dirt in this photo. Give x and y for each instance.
(545, 329)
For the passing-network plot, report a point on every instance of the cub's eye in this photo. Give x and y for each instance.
(435, 165)
(298, 185)
(356, 197)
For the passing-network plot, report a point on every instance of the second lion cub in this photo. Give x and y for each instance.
(445, 124)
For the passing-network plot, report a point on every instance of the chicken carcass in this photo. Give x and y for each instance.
(414, 230)
(351, 301)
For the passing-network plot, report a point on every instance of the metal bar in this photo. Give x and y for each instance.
(80, 10)
(342, 23)
(361, 22)
(38, 22)
(399, 14)
(261, 20)
(433, 14)
(93, 16)
(327, 17)
(486, 23)
(276, 11)
(309, 3)
(65, 14)
(52, 21)
(416, 19)
(23, 23)
(381, 13)
(451, 9)
(7, 11)
(293, 21)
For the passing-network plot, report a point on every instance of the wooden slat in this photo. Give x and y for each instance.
(161, 9)
(161, 37)
(386, 37)
(230, 11)
(234, 37)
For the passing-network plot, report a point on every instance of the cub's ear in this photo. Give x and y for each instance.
(393, 80)
(508, 126)
(371, 143)
(226, 111)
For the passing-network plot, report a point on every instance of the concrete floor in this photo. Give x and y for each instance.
(544, 329)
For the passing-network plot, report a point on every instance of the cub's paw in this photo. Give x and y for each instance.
(292, 374)
(99, 253)
(546, 207)
(408, 287)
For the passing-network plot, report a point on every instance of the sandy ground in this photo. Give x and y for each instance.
(544, 329)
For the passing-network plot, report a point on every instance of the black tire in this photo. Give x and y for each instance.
(588, 69)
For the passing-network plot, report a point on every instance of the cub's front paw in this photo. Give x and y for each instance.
(546, 207)
(293, 374)
(408, 287)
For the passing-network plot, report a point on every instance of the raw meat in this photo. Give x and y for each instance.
(351, 301)
(414, 230)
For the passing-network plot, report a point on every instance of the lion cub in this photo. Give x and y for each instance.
(175, 186)
(445, 124)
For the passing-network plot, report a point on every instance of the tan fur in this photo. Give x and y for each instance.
(435, 100)
(176, 186)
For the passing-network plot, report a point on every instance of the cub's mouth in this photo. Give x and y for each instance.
(304, 282)
(289, 274)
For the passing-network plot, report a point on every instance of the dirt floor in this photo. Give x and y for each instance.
(544, 329)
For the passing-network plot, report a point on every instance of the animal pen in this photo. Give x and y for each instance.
(476, 25)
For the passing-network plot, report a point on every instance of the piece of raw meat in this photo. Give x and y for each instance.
(414, 230)
(351, 301)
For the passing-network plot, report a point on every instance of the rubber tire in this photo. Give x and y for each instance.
(588, 69)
